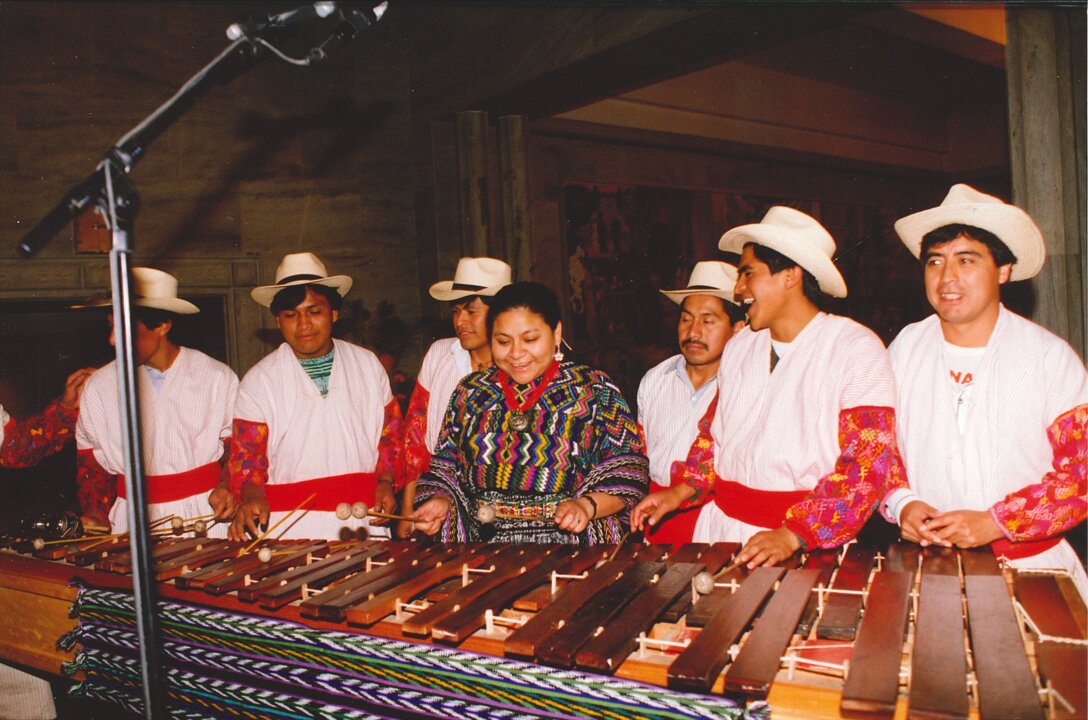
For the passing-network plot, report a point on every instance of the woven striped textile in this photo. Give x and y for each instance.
(227, 665)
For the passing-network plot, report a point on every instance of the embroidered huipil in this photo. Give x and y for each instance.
(23, 444)
(183, 425)
(581, 438)
(293, 441)
(820, 429)
(669, 410)
(1023, 451)
(445, 363)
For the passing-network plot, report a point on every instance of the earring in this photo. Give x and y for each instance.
(558, 354)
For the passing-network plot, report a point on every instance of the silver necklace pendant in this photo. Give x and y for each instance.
(519, 421)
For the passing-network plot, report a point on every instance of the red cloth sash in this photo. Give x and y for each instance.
(1003, 548)
(762, 508)
(169, 488)
(331, 491)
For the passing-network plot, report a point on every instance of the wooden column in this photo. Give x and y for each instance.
(473, 182)
(514, 171)
(1045, 61)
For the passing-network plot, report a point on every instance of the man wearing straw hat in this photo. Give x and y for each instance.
(992, 407)
(677, 398)
(805, 425)
(469, 294)
(186, 405)
(316, 424)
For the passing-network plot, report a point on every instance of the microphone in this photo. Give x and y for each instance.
(77, 198)
(251, 28)
(351, 23)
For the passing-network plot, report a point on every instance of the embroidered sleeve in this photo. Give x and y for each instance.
(868, 468)
(416, 453)
(620, 465)
(248, 463)
(26, 443)
(1057, 502)
(95, 487)
(391, 444)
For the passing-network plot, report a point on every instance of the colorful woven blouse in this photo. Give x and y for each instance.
(581, 438)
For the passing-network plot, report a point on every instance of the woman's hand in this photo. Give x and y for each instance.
(573, 515)
(430, 515)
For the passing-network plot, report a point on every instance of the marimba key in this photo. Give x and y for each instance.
(506, 565)
(1006, 685)
(240, 576)
(902, 557)
(211, 551)
(333, 603)
(696, 668)
(383, 604)
(198, 579)
(561, 647)
(938, 686)
(542, 596)
(1052, 611)
(686, 552)
(606, 651)
(523, 642)
(458, 625)
(824, 561)
(1063, 668)
(714, 558)
(872, 684)
(708, 606)
(839, 620)
(277, 591)
(752, 673)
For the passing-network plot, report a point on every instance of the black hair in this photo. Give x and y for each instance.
(290, 297)
(777, 262)
(999, 251)
(467, 300)
(734, 312)
(532, 296)
(151, 318)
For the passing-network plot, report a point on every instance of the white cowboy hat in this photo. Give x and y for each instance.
(798, 237)
(709, 277)
(474, 276)
(963, 205)
(300, 269)
(151, 289)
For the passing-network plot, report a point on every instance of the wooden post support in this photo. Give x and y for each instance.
(473, 182)
(1045, 71)
(514, 169)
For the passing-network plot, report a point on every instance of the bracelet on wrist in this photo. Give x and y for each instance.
(593, 503)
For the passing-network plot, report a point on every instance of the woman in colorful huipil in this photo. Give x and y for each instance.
(548, 447)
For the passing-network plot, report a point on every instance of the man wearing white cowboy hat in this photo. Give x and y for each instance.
(186, 405)
(805, 425)
(474, 283)
(316, 424)
(677, 397)
(992, 407)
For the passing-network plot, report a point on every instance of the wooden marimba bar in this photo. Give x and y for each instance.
(903, 632)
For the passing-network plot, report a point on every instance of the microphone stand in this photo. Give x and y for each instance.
(109, 189)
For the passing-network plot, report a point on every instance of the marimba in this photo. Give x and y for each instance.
(899, 632)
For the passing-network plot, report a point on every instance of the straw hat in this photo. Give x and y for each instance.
(151, 288)
(474, 276)
(300, 269)
(709, 277)
(798, 237)
(963, 205)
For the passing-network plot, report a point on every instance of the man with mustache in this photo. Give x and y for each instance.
(677, 397)
(804, 431)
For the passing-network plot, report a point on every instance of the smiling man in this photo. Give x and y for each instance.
(992, 407)
(677, 398)
(805, 423)
(469, 294)
(316, 424)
